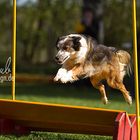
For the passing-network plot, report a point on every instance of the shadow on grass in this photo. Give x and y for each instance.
(83, 90)
(81, 94)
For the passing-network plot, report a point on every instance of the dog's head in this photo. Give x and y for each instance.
(73, 46)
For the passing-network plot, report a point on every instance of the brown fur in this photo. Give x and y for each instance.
(109, 72)
(109, 65)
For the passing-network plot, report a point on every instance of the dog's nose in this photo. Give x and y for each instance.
(56, 58)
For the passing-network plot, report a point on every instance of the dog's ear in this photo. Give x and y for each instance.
(60, 38)
(76, 43)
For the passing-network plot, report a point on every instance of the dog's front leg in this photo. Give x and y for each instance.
(73, 74)
(64, 76)
(61, 73)
(68, 77)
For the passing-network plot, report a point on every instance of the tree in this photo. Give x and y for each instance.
(118, 21)
(5, 23)
(40, 23)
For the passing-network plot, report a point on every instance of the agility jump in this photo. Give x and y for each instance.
(20, 117)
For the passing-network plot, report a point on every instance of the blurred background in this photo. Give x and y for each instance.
(40, 23)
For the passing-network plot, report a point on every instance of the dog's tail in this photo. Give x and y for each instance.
(125, 61)
(129, 69)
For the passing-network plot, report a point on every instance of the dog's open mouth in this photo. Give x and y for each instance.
(62, 62)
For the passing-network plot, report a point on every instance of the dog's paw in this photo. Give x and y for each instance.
(67, 77)
(105, 100)
(55, 79)
(60, 74)
(129, 100)
(64, 80)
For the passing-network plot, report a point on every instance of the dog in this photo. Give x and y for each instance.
(81, 57)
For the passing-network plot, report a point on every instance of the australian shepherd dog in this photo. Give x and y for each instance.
(81, 56)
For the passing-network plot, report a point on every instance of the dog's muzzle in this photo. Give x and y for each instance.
(61, 60)
(62, 56)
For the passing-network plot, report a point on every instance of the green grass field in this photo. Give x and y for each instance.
(64, 94)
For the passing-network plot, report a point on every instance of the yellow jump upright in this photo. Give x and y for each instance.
(136, 67)
(14, 50)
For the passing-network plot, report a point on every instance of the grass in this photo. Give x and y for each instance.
(55, 136)
(64, 94)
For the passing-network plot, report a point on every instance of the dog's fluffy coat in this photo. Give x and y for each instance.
(82, 57)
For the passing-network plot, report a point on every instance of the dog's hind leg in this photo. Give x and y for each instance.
(114, 83)
(98, 85)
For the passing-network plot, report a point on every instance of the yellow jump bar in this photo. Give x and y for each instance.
(59, 118)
